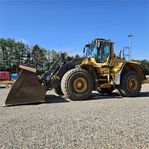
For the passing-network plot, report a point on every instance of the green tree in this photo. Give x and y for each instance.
(77, 56)
(13, 53)
(38, 56)
(52, 56)
(145, 66)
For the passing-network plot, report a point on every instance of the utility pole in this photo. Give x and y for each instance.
(130, 45)
(126, 53)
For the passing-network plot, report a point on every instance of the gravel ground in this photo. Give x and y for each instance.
(101, 122)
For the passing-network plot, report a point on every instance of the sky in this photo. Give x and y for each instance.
(67, 25)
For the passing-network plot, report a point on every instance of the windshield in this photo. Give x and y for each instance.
(91, 51)
(100, 53)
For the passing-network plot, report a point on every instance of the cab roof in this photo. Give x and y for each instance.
(102, 39)
(98, 40)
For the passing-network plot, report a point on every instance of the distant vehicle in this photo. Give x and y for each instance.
(4, 75)
(13, 76)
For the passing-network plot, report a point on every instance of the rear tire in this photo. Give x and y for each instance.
(58, 90)
(77, 84)
(130, 84)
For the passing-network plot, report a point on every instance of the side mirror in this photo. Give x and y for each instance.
(84, 50)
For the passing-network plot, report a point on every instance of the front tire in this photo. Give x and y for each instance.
(77, 84)
(130, 84)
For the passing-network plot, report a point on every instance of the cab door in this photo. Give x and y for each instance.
(103, 57)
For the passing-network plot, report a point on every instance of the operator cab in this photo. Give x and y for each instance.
(100, 49)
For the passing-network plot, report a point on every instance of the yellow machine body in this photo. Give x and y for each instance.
(113, 67)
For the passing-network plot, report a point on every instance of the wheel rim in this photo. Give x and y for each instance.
(133, 84)
(80, 85)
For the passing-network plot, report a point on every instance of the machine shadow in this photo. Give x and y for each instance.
(94, 96)
(144, 94)
(55, 99)
(51, 99)
(98, 96)
(115, 95)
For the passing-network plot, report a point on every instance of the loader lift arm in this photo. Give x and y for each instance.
(49, 75)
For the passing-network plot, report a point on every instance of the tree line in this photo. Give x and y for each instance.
(13, 53)
(145, 66)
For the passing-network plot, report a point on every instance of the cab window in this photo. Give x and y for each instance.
(104, 53)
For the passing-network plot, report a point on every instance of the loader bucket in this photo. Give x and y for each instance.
(27, 88)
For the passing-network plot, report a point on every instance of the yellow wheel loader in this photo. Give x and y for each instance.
(100, 70)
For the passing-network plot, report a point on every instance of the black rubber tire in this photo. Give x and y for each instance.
(67, 84)
(106, 91)
(124, 89)
(58, 90)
